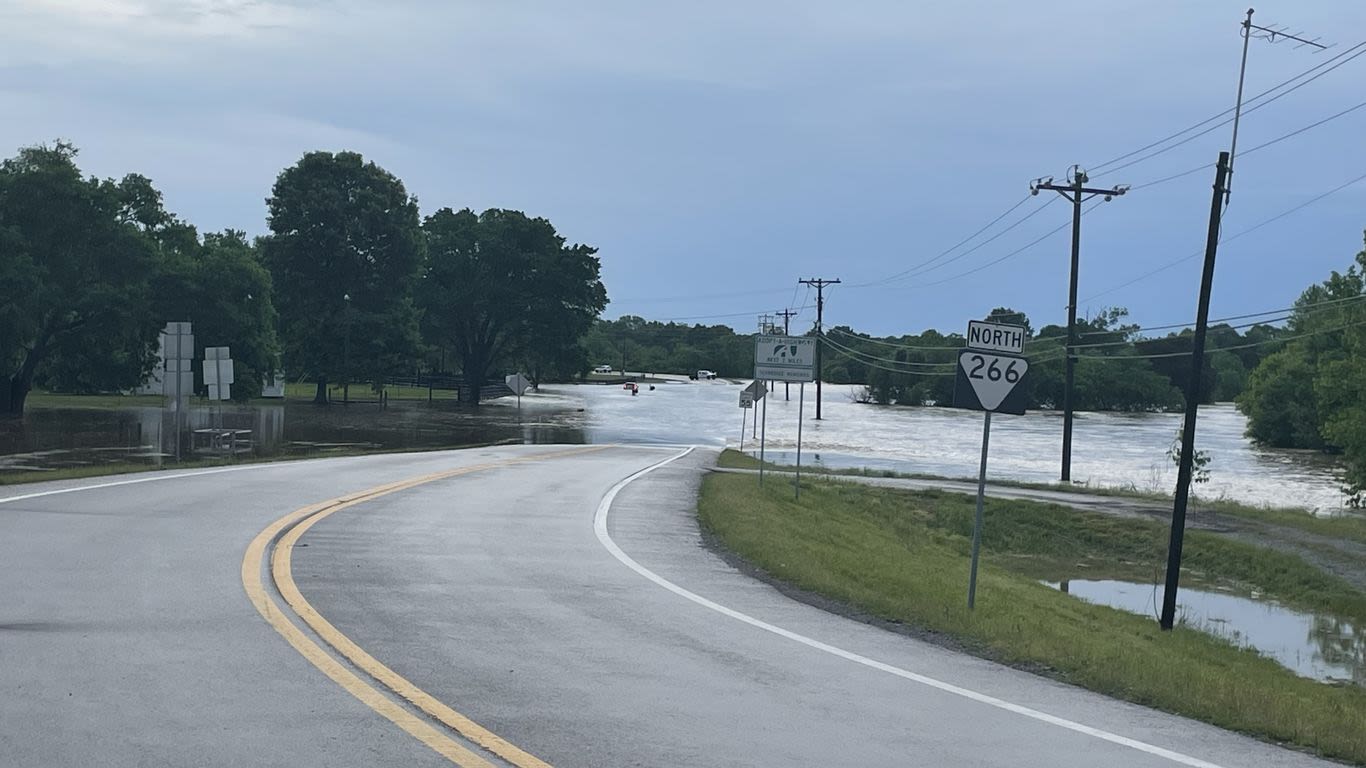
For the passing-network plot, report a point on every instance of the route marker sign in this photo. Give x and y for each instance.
(988, 378)
(990, 370)
(996, 337)
(785, 358)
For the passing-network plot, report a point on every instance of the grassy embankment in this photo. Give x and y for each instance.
(903, 556)
(1351, 527)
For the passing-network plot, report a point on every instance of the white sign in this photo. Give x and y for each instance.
(785, 358)
(517, 383)
(996, 337)
(992, 376)
(746, 399)
(218, 376)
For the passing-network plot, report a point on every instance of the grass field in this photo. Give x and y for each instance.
(902, 556)
(1351, 527)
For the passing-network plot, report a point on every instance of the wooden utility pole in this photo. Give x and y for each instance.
(787, 315)
(1187, 458)
(820, 284)
(1076, 193)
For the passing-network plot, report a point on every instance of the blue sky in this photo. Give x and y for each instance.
(715, 152)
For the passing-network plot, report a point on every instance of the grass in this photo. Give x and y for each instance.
(39, 399)
(902, 556)
(1351, 527)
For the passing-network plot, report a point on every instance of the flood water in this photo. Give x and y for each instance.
(1312, 645)
(1115, 450)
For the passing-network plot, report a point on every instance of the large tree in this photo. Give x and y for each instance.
(501, 287)
(223, 288)
(75, 262)
(344, 250)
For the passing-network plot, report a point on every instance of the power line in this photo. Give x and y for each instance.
(1249, 345)
(1222, 123)
(1247, 231)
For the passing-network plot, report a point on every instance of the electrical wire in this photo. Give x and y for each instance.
(1246, 111)
(1277, 340)
(1230, 238)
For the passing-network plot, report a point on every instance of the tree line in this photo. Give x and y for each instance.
(1311, 391)
(351, 285)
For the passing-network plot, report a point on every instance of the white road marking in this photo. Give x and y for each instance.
(150, 478)
(600, 527)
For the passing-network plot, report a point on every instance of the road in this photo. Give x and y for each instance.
(520, 605)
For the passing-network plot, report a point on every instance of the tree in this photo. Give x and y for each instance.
(344, 251)
(501, 286)
(74, 266)
(224, 289)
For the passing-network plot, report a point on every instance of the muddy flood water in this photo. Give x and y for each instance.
(1112, 450)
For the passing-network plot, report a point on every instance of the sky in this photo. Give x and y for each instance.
(716, 152)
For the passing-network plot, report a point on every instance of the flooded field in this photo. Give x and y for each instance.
(1113, 450)
(1320, 646)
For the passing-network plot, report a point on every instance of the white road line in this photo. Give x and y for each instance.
(600, 527)
(150, 478)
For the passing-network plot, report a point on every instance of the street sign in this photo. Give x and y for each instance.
(756, 390)
(517, 383)
(987, 381)
(218, 376)
(785, 358)
(746, 401)
(996, 337)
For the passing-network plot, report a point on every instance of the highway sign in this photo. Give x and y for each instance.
(987, 381)
(996, 337)
(746, 401)
(785, 358)
(756, 390)
(517, 383)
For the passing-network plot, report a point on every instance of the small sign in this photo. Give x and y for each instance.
(756, 390)
(996, 337)
(517, 383)
(987, 381)
(746, 399)
(785, 358)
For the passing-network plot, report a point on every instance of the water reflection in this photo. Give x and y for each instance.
(1319, 646)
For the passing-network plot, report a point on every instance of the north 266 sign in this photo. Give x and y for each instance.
(987, 378)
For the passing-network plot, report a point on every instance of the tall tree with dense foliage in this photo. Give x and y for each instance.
(75, 262)
(344, 253)
(502, 287)
(1311, 393)
(221, 286)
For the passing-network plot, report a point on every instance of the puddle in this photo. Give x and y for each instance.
(1318, 646)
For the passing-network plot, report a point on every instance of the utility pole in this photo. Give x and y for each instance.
(787, 315)
(1273, 35)
(1077, 193)
(1184, 467)
(820, 284)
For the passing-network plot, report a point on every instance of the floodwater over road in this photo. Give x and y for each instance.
(1320, 646)
(1112, 450)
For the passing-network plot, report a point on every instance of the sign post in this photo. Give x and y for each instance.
(786, 359)
(518, 384)
(801, 408)
(988, 376)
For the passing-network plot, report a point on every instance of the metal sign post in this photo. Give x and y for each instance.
(989, 373)
(763, 439)
(977, 519)
(801, 409)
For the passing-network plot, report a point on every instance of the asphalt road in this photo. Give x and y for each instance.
(584, 634)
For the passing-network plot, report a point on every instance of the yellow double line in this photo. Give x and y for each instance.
(288, 530)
